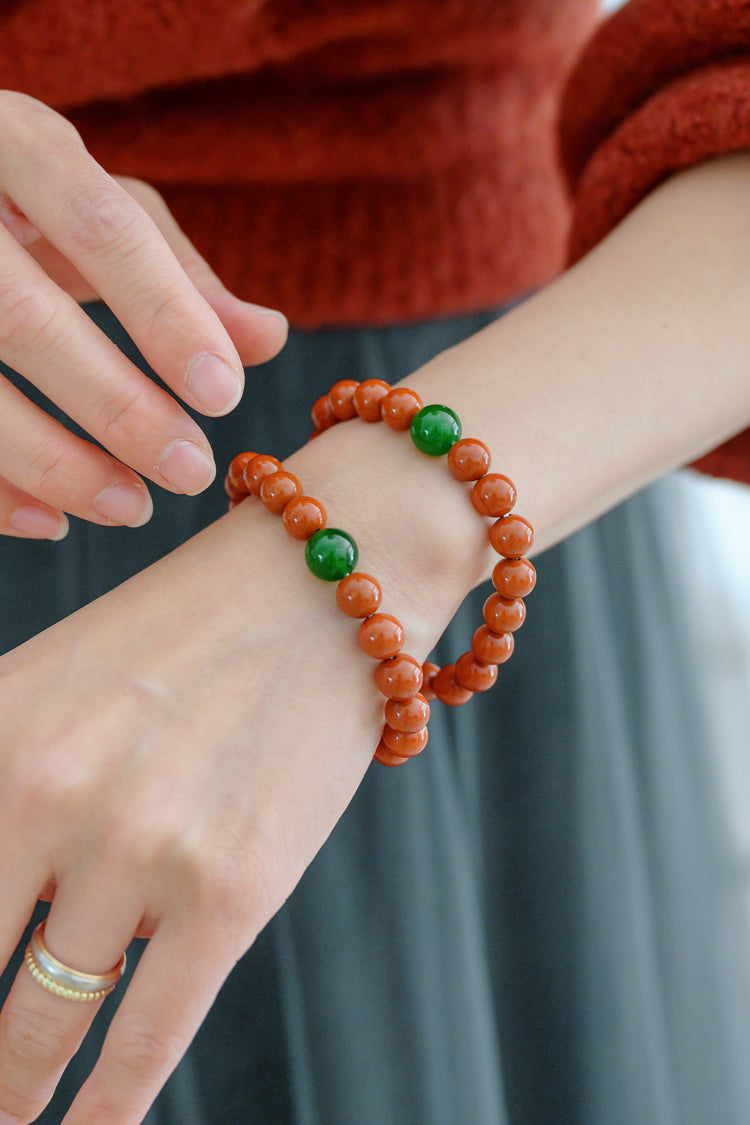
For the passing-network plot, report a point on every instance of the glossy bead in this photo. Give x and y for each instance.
(447, 690)
(303, 516)
(493, 495)
(408, 743)
(514, 578)
(331, 554)
(399, 407)
(492, 648)
(386, 757)
(434, 429)
(256, 471)
(368, 399)
(400, 677)
(234, 494)
(381, 636)
(341, 398)
(278, 489)
(429, 671)
(407, 714)
(473, 674)
(237, 468)
(512, 536)
(358, 595)
(322, 413)
(468, 459)
(503, 615)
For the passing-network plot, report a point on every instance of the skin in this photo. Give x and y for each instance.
(159, 783)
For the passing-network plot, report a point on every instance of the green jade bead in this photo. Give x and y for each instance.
(331, 554)
(434, 429)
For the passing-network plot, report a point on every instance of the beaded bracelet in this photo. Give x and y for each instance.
(331, 555)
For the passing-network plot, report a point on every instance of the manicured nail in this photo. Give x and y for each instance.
(261, 310)
(124, 504)
(186, 467)
(39, 524)
(214, 385)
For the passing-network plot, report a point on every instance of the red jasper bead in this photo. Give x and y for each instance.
(303, 516)
(429, 671)
(341, 398)
(407, 714)
(408, 743)
(236, 470)
(503, 615)
(514, 578)
(493, 495)
(368, 399)
(234, 494)
(399, 407)
(322, 413)
(256, 471)
(512, 536)
(492, 648)
(468, 459)
(381, 636)
(447, 690)
(400, 677)
(387, 757)
(278, 489)
(358, 595)
(473, 674)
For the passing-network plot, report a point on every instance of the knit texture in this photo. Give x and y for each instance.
(663, 85)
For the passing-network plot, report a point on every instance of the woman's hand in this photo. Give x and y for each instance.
(70, 232)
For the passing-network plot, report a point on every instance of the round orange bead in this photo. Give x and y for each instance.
(493, 495)
(278, 489)
(386, 757)
(514, 578)
(492, 648)
(408, 743)
(399, 407)
(429, 671)
(407, 714)
(503, 615)
(358, 595)
(400, 677)
(341, 398)
(234, 494)
(322, 413)
(468, 459)
(447, 690)
(237, 468)
(512, 536)
(368, 399)
(256, 471)
(303, 516)
(381, 636)
(473, 674)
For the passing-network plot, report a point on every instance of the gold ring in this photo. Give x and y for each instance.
(64, 981)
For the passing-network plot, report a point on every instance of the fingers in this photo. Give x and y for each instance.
(120, 251)
(22, 516)
(39, 1031)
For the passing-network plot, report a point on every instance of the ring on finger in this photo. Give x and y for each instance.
(64, 981)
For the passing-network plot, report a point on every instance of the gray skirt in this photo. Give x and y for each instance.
(524, 924)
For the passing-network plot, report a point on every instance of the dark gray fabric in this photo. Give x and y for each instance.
(521, 926)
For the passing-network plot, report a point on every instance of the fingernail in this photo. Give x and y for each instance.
(186, 467)
(39, 524)
(124, 504)
(214, 385)
(261, 310)
(6, 1119)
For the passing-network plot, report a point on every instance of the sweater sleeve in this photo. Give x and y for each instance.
(662, 85)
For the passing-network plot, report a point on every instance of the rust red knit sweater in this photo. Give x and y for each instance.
(367, 162)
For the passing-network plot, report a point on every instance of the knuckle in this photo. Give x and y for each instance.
(22, 1107)
(144, 1050)
(100, 218)
(112, 418)
(35, 1038)
(26, 315)
(46, 466)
